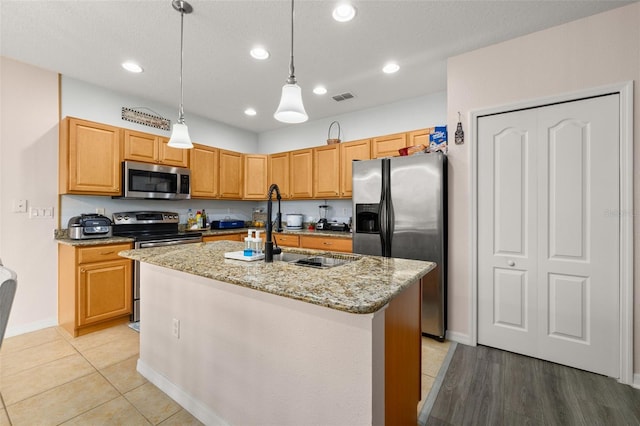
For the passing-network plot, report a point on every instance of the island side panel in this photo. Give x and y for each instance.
(249, 357)
(403, 357)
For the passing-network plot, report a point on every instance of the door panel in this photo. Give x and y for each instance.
(507, 301)
(548, 255)
(579, 243)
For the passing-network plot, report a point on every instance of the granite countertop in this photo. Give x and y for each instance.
(361, 287)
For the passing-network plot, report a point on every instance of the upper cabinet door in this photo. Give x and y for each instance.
(301, 173)
(230, 174)
(419, 137)
(148, 148)
(204, 171)
(350, 151)
(279, 172)
(326, 171)
(172, 156)
(388, 146)
(89, 158)
(140, 146)
(255, 177)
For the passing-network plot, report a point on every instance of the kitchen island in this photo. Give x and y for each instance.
(238, 342)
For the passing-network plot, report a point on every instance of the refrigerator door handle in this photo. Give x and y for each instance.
(382, 222)
(386, 224)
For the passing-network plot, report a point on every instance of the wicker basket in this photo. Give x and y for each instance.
(331, 141)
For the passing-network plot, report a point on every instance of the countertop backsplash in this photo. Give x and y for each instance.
(74, 205)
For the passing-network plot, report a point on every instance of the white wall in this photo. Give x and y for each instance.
(90, 102)
(591, 52)
(29, 170)
(402, 116)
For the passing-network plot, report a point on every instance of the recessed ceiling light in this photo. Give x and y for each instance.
(344, 12)
(390, 68)
(250, 112)
(132, 67)
(320, 90)
(259, 53)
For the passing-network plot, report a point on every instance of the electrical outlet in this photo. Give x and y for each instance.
(19, 206)
(100, 210)
(176, 328)
(47, 212)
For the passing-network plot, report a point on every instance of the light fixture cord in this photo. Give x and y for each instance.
(181, 112)
(292, 77)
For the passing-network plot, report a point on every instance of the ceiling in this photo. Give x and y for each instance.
(88, 40)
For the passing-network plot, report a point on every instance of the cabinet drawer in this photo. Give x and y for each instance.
(227, 237)
(321, 243)
(287, 240)
(101, 253)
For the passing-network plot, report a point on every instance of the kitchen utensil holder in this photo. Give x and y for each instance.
(331, 141)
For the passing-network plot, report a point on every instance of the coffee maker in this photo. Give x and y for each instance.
(323, 224)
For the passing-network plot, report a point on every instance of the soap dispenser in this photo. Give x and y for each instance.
(258, 243)
(248, 243)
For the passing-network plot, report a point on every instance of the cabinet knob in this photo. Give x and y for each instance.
(83, 270)
(326, 243)
(511, 263)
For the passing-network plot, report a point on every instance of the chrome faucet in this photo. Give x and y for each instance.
(269, 251)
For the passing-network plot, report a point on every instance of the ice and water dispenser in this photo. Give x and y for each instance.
(367, 219)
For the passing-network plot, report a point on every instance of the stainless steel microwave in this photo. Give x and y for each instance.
(155, 181)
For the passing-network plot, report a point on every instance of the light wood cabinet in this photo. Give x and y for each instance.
(326, 243)
(350, 151)
(224, 237)
(89, 158)
(286, 240)
(301, 173)
(94, 287)
(204, 171)
(419, 137)
(230, 180)
(148, 148)
(388, 146)
(279, 173)
(326, 171)
(255, 177)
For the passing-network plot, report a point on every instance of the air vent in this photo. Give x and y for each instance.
(342, 97)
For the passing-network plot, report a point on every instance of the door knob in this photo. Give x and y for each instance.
(511, 263)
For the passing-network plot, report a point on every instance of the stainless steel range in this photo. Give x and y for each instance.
(150, 229)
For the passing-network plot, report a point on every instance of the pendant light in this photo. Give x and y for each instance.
(180, 134)
(291, 109)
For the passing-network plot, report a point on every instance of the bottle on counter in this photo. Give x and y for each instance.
(257, 241)
(248, 243)
(199, 219)
(205, 220)
(191, 220)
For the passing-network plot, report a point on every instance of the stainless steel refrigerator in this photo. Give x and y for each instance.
(399, 207)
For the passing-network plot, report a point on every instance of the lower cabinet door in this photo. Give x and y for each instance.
(105, 291)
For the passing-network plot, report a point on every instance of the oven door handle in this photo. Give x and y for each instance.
(150, 244)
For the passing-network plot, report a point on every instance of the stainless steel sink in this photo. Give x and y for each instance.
(315, 261)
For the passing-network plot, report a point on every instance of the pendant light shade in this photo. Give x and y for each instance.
(291, 109)
(180, 137)
(180, 134)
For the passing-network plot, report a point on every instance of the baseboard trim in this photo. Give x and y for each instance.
(636, 381)
(29, 327)
(192, 405)
(455, 336)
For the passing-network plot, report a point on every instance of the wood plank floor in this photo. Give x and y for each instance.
(486, 386)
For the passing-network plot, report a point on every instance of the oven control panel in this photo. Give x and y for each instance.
(138, 218)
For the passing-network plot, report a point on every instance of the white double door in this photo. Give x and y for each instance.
(548, 233)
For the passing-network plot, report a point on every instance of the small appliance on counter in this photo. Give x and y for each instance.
(227, 224)
(87, 226)
(294, 221)
(323, 224)
(335, 226)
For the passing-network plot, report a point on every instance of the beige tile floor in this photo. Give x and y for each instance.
(49, 378)
(433, 355)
